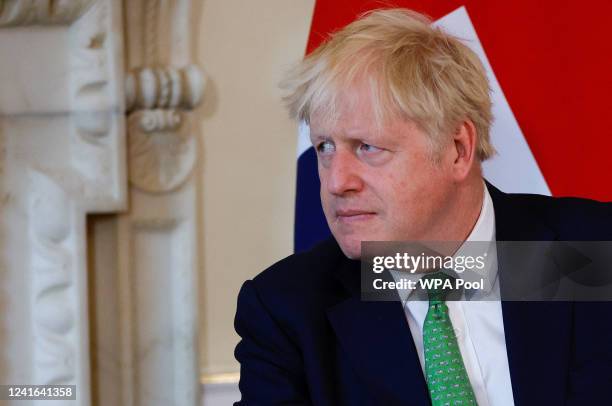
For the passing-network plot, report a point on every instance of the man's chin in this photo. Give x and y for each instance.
(351, 249)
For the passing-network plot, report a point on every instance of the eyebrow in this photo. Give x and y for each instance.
(317, 137)
(350, 134)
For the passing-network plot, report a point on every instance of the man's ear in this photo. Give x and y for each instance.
(464, 153)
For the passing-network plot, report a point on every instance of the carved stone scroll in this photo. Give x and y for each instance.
(148, 88)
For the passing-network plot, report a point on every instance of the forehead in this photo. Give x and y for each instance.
(349, 110)
(355, 115)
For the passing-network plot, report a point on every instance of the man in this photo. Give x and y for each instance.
(399, 115)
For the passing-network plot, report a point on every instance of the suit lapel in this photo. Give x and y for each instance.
(377, 340)
(538, 334)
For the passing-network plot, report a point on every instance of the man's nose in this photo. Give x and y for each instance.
(343, 174)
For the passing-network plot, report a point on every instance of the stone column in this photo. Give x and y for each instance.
(157, 255)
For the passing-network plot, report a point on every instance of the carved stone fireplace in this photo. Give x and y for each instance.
(96, 100)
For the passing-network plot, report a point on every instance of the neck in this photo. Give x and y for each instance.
(465, 204)
(472, 207)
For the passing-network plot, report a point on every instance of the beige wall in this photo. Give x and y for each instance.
(249, 145)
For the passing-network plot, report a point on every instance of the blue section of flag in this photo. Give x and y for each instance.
(310, 224)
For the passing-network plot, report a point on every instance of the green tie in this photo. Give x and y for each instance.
(447, 378)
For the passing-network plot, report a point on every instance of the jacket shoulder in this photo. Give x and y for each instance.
(303, 284)
(582, 219)
(572, 218)
(302, 267)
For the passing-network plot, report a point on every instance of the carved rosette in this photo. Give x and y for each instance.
(161, 87)
(162, 150)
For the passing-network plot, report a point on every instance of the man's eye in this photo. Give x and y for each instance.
(325, 147)
(367, 148)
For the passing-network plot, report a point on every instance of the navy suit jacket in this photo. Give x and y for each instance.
(307, 338)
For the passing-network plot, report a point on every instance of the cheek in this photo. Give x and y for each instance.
(322, 181)
(324, 198)
(326, 203)
(409, 197)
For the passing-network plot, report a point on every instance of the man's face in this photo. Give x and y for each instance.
(379, 185)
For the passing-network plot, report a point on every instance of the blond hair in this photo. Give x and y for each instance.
(413, 70)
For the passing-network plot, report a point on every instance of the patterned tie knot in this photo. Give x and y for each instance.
(438, 288)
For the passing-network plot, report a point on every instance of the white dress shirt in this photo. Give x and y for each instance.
(478, 325)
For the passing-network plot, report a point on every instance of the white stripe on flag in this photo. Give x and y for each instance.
(303, 138)
(513, 169)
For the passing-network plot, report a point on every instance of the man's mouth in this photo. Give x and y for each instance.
(354, 215)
